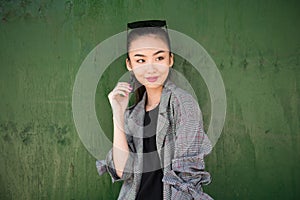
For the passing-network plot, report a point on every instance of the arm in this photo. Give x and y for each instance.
(120, 145)
(119, 168)
(191, 146)
(119, 160)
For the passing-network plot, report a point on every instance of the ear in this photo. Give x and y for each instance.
(171, 60)
(128, 64)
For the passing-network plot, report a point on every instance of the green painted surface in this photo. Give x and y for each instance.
(255, 45)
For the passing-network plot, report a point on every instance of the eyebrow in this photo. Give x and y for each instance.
(141, 55)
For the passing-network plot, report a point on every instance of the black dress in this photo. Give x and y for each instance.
(151, 184)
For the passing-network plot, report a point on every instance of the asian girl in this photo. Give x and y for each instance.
(159, 143)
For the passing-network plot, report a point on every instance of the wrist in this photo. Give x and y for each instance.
(118, 120)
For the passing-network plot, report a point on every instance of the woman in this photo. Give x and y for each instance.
(159, 143)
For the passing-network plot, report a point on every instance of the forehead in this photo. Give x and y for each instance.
(148, 43)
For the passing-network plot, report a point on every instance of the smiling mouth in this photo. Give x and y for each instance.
(152, 79)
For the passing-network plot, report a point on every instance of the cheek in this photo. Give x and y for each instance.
(139, 75)
(166, 62)
(138, 71)
(163, 69)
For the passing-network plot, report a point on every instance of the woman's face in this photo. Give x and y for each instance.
(150, 60)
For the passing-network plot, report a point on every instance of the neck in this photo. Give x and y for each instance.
(153, 96)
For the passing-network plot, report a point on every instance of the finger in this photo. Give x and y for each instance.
(120, 92)
(125, 84)
(124, 88)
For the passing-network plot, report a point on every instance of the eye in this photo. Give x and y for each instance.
(140, 61)
(160, 58)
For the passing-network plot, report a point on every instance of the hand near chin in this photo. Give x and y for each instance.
(119, 98)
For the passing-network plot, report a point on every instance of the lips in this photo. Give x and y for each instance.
(152, 79)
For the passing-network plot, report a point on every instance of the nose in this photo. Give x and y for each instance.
(150, 67)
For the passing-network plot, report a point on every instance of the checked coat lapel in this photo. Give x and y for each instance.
(136, 119)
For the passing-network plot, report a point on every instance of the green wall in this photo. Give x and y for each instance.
(256, 47)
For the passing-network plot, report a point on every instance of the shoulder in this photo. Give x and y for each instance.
(182, 98)
(184, 105)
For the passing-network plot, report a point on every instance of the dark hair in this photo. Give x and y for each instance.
(138, 32)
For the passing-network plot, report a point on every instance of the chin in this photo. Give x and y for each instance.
(153, 85)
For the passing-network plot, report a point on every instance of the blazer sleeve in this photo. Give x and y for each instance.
(187, 174)
(107, 165)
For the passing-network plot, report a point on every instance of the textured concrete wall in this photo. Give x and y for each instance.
(255, 45)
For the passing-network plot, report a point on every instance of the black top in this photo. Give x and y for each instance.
(151, 183)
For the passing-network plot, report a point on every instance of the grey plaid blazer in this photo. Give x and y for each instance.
(181, 143)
